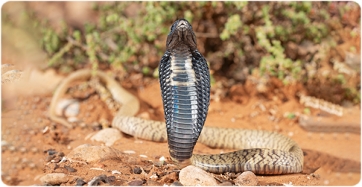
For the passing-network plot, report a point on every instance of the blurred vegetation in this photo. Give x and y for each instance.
(293, 41)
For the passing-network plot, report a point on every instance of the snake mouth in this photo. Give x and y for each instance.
(183, 25)
(181, 33)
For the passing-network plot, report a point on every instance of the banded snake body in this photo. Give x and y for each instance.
(185, 88)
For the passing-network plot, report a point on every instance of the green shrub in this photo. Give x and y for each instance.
(242, 35)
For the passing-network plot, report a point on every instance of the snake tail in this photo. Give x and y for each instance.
(185, 87)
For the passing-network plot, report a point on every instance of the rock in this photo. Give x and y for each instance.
(97, 180)
(70, 169)
(89, 153)
(80, 182)
(108, 136)
(137, 170)
(247, 178)
(194, 176)
(135, 183)
(72, 109)
(54, 178)
(68, 106)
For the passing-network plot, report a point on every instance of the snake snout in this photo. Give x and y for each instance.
(183, 25)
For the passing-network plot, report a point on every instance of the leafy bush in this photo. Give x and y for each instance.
(235, 37)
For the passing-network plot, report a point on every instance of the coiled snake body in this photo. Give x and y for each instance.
(185, 88)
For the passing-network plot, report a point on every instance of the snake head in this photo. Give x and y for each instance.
(181, 33)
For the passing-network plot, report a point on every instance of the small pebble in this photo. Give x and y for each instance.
(70, 169)
(96, 180)
(116, 172)
(158, 163)
(194, 176)
(98, 169)
(135, 183)
(162, 159)
(129, 152)
(63, 159)
(23, 149)
(80, 182)
(12, 148)
(111, 179)
(247, 178)
(137, 170)
(45, 130)
(176, 183)
(49, 158)
(154, 176)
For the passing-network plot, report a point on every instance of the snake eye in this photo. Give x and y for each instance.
(172, 27)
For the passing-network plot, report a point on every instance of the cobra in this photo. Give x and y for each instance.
(185, 89)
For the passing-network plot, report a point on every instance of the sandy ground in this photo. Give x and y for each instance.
(28, 135)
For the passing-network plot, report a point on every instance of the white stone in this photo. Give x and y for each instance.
(72, 109)
(194, 176)
(247, 178)
(108, 136)
(64, 104)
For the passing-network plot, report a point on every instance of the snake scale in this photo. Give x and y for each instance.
(185, 88)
